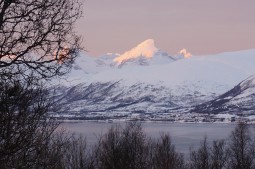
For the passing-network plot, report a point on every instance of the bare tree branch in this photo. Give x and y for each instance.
(39, 35)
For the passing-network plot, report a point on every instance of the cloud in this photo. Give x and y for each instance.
(185, 53)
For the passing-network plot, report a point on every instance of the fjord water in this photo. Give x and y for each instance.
(184, 135)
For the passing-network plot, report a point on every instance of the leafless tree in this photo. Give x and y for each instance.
(218, 155)
(37, 40)
(123, 148)
(24, 128)
(209, 157)
(77, 155)
(134, 147)
(108, 150)
(165, 156)
(199, 159)
(38, 36)
(241, 148)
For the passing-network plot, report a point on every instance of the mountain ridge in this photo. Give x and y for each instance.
(240, 98)
(151, 85)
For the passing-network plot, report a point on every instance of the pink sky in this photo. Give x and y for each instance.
(200, 26)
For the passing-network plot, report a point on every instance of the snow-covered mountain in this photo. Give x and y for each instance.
(240, 99)
(147, 79)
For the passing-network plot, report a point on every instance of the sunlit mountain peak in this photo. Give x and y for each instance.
(185, 53)
(145, 49)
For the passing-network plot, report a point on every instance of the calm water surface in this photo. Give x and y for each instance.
(184, 135)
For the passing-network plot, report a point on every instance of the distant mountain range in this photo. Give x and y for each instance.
(147, 80)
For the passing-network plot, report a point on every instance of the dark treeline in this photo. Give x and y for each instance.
(129, 148)
(121, 148)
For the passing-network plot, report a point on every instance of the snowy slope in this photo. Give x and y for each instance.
(145, 49)
(147, 79)
(240, 99)
(214, 74)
